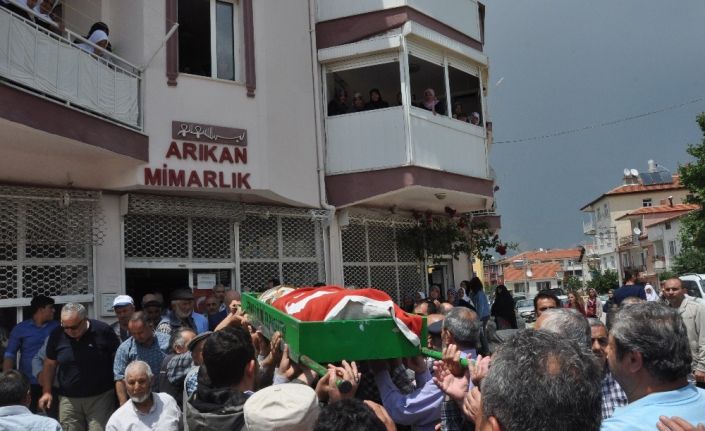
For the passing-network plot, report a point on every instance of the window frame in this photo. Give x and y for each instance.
(648, 202)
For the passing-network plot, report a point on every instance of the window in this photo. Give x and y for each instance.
(364, 88)
(598, 213)
(606, 210)
(208, 38)
(646, 203)
(465, 96)
(519, 288)
(671, 248)
(612, 262)
(427, 85)
(668, 225)
(692, 288)
(543, 285)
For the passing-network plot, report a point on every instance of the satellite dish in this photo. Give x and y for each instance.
(634, 172)
(627, 172)
(637, 231)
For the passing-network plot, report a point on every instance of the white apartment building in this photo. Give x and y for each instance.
(205, 153)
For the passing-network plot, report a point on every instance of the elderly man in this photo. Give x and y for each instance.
(566, 322)
(145, 410)
(124, 306)
(27, 338)
(421, 409)
(83, 349)
(152, 307)
(182, 314)
(14, 400)
(612, 394)
(540, 381)
(693, 315)
(649, 356)
(176, 364)
(144, 345)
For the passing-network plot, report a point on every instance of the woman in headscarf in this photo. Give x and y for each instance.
(431, 103)
(651, 294)
(593, 306)
(98, 35)
(503, 309)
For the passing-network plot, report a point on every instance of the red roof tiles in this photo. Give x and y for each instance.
(660, 209)
(540, 271)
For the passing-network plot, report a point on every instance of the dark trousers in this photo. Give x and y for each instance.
(36, 392)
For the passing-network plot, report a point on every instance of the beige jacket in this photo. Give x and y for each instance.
(693, 315)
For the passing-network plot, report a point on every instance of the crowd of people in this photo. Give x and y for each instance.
(171, 368)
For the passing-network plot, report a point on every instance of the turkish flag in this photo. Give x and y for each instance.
(337, 303)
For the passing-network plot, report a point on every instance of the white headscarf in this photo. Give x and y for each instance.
(651, 294)
(95, 37)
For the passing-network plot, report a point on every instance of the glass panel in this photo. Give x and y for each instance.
(427, 85)
(224, 40)
(465, 96)
(363, 89)
(195, 37)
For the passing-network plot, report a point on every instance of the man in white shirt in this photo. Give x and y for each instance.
(14, 400)
(145, 410)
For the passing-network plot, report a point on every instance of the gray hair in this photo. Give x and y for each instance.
(659, 334)
(538, 368)
(567, 323)
(139, 316)
(74, 307)
(464, 325)
(137, 366)
(177, 337)
(593, 322)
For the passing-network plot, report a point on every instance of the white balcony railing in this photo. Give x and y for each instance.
(589, 227)
(377, 139)
(52, 65)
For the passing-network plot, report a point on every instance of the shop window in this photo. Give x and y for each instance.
(208, 38)
(363, 89)
(427, 85)
(465, 96)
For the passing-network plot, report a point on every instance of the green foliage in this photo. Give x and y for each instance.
(573, 283)
(436, 237)
(665, 275)
(692, 231)
(603, 282)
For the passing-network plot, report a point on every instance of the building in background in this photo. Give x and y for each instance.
(616, 243)
(529, 272)
(213, 154)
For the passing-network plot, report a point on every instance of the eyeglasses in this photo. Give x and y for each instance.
(74, 327)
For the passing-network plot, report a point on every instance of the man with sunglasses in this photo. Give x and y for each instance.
(612, 394)
(84, 349)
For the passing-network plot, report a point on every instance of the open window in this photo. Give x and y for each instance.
(367, 85)
(465, 96)
(209, 38)
(427, 85)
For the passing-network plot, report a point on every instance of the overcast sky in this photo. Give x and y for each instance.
(564, 64)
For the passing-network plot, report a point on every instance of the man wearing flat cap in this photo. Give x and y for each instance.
(182, 314)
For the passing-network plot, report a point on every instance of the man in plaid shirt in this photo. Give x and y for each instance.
(612, 394)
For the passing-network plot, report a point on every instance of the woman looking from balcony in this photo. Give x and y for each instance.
(358, 103)
(97, 35)
(339, 104)
(376, 101)
(431, 103)
(575, 302)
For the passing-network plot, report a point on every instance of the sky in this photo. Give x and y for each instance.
(565, 64)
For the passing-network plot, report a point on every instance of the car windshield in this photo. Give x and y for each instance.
(525, 303)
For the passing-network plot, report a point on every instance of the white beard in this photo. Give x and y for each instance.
(143, 398)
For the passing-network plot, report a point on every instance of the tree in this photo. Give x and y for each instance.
(603, 282)
(692, 232)
(573, 283)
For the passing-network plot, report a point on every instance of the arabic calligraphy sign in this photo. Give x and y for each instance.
(186, 131)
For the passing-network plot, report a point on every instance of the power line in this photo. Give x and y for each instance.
(601, 125)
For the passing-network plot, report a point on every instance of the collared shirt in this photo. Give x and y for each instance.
(191, 381)
(164, 415)
(421, 409)
(131, 350)
(123, 334)
(85, 365)
(28, 338)
(612, 395)
(20, 418)
(170, 322)
(687, 402)
(693, 315)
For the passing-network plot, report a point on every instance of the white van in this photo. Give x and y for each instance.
(695, 284)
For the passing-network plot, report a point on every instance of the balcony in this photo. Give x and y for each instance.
(388, 138)
(589, 227)
(52, 66)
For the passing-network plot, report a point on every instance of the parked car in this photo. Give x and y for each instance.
(695, 284)
(525, 309)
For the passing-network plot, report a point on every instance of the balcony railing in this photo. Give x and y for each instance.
(380, 139)
(589, 227)
(49, 64)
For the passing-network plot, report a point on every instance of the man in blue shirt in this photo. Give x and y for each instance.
(630, 288)
(27, 338)
(14, 399)
(649, 355)
(182, 314)
(144, 345)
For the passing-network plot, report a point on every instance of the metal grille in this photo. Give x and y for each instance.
(372, 257)
(212, 238)
(158, 237)
(46, 241)
(288, 247)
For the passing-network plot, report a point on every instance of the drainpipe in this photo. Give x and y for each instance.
(334, 270)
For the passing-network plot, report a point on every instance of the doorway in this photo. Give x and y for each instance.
(140, 281)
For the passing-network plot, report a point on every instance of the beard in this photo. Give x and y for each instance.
(140, 399)
(182, 315)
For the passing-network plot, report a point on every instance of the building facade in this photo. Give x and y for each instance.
(530, 272)
(211, 152)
